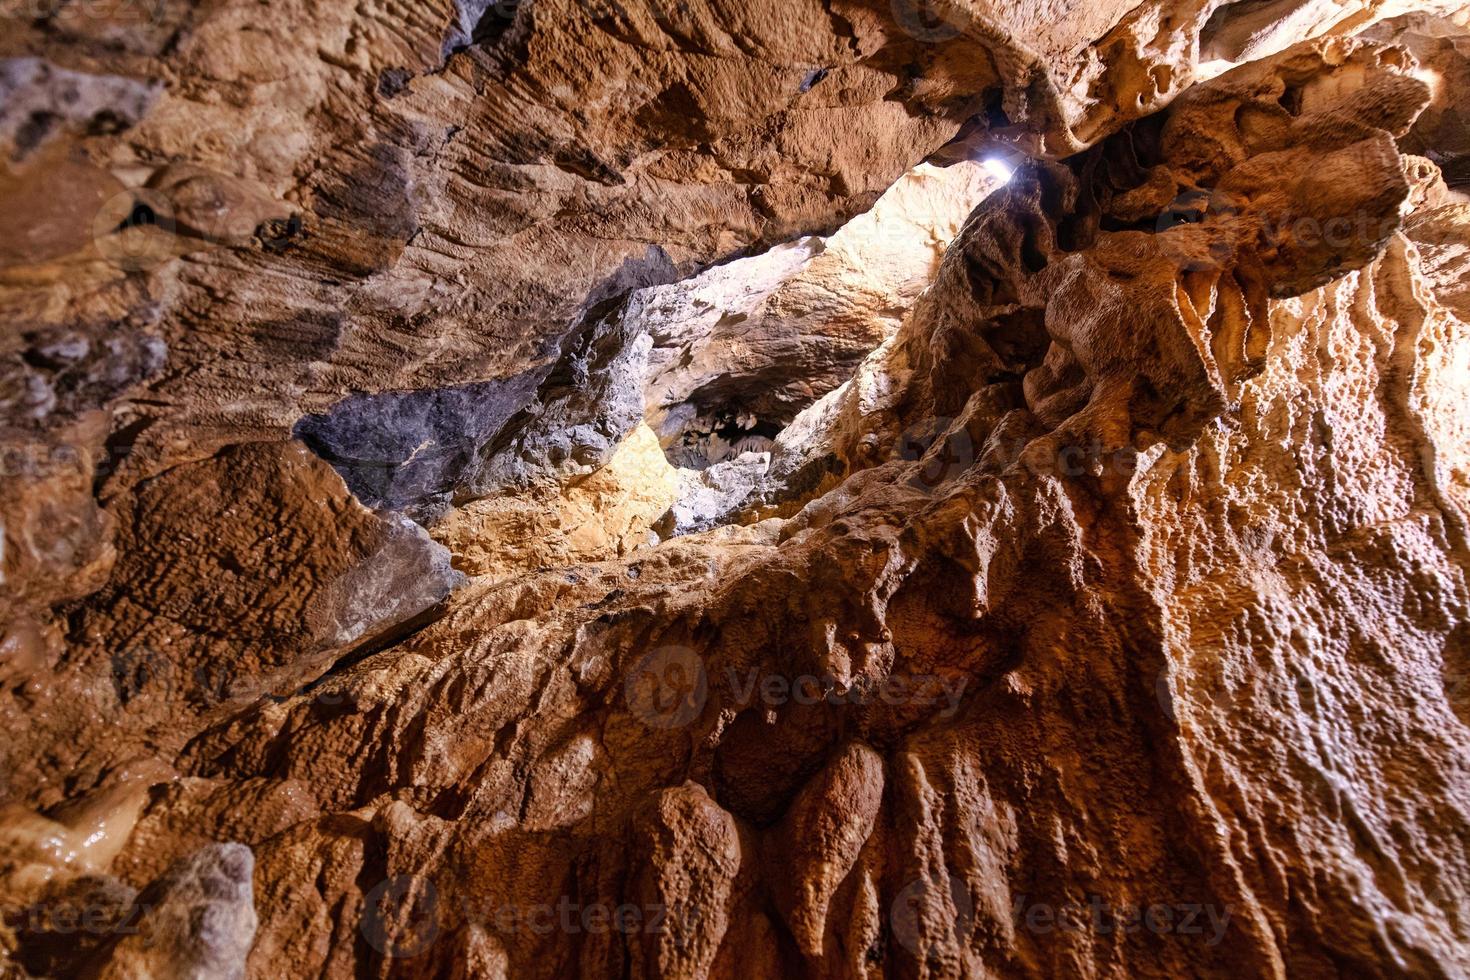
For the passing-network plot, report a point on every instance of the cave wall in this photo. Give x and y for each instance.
(389, 590)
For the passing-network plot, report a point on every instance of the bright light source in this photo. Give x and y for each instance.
(1214, 68)
(1430, 77)
(998, 167)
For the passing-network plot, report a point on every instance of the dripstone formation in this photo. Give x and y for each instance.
(698, 489)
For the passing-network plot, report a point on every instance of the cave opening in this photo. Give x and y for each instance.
(722, 435)
(745, 356)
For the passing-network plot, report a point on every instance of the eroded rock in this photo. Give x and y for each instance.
(1098, 609)
(198, 920)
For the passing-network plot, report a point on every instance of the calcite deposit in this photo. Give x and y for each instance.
(707, 489)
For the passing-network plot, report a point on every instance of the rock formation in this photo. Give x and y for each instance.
(686, 488)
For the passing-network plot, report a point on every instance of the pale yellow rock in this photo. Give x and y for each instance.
(604, 516)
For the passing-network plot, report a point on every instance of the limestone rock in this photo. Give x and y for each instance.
(198, 920)
(41, 100)
(820, 838)
(742, 348)
(273, 572)
(1441, 133)
(1066, 577)
(607, 515)
(435, 197)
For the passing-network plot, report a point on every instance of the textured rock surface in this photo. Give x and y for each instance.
(1442, 132)
(608, 514)
(750, 344)
(198, 920)
(242, 576)
(417, 222)
(499, 490)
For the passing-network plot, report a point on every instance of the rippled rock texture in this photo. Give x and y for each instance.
(613, 488)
